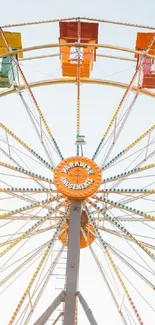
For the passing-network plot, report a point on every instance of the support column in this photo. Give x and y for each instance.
(73, 258)
(48, 312)
(87, 310)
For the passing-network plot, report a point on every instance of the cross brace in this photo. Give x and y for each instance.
(70, 295)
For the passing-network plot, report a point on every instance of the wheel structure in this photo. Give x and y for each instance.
(77, 173)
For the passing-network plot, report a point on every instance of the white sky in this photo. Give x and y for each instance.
(97, 106)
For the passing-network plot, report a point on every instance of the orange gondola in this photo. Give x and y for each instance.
(69, 55)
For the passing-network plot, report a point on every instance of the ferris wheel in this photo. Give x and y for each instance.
(97, 203)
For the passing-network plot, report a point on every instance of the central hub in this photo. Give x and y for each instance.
(77, 177)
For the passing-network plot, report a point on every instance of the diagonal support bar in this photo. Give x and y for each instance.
(73, 257)
(57, 319)
(87, 310)
(48, 312)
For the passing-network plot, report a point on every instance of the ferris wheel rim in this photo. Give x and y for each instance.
(58, 45)
(81, 18)
(65, 80)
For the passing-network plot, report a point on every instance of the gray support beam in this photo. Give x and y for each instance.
(87, 310)
(48, 312)
(73, 258)
(57, 319)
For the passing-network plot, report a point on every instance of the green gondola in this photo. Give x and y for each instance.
(8, 71)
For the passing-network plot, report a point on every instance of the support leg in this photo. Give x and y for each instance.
(87, 310)
(57, 319)
(73, 257)
(48, 312)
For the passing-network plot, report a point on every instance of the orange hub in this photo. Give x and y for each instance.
(77, 178)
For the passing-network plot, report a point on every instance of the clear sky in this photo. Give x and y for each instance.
(138, 11)
(97, 106)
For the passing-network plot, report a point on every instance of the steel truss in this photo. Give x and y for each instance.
(70, 295)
